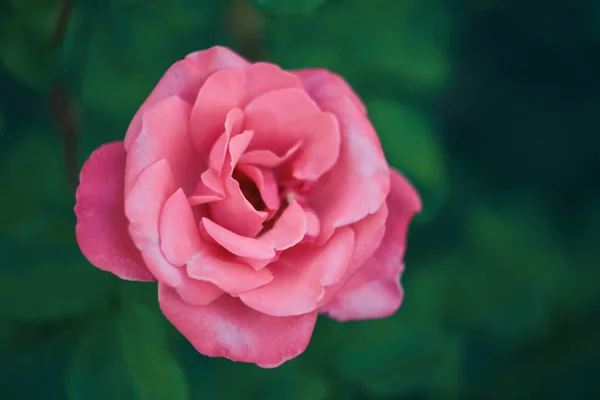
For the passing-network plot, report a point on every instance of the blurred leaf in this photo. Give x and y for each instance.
(288, 6)
(154, 371)
(404, 51)
(399, 355)
(514, 276)
(36, 202)
(1, 125)
(97, 371)
(410, 143)
(37, 353)
(26, 48)
(52, 290)
(129, 51)
(126, 359)
(140, 293)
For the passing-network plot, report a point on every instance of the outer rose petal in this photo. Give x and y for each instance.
(165, 135)
(337, 85)
(101, 223)
(369, 233)
(227, 328)
(301, 276)
(361, 162)
(228, 89)
(184, 78)
(375, 291)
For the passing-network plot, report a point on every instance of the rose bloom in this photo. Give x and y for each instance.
(257, 198)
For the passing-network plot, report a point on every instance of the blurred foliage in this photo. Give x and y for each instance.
(488, 106)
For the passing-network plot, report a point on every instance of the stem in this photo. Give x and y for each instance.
(246, 25)
(63, 108)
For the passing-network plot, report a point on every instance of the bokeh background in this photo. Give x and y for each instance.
(489, 106)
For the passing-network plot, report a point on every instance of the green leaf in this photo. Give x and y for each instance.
(154, 371)
(53, 289)
(26, 48)
(40, 208)
(288, 6)
(1, 125)
(514, 276)
(126, 358)
(411, 144)
(401, 354)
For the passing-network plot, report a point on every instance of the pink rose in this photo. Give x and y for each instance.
(257, 198)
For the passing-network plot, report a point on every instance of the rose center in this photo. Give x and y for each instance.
(249, 190)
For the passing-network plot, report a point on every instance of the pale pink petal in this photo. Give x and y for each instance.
(284, 117)
(335, 86)
(184, 78)
(101, 228)
(221, 148)
(267, 158)
(210, 188)
(235, 212)
(164, 135)
(289, 229)
(312, 223)
(228, 328)
(229, 275)
(143, 206)
(368, 232)
(195, 292)
(238, 245)
(374, 291)
(265, 182)
(237, 146)
(361, 163)
(179, 236)
(301, 275)
(232, 88)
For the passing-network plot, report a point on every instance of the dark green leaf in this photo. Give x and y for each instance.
(126, 358)
(399, 355)
(410, 142)
(288, 6)
(53, 289)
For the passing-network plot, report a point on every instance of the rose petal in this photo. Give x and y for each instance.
(333, 84)
(288, 230)
(301, 275)
(238, 245)
(143, 205)
(231, 276)
(267, 158)
(210, 188)
(195, 292)
(228, 89)
(179, 236)
(184, 78)
(235, 213)
(165, 135)
(266, 184)
(101, 223)
(222, 146)
(368, 235)
(237, 146)
(227, 328)
(375, 291)
(361, 163)
(284, 117)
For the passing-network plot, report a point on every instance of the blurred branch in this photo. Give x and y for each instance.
(63, 20)
(62, 105)
(245, 24)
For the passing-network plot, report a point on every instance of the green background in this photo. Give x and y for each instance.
(489, 106)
